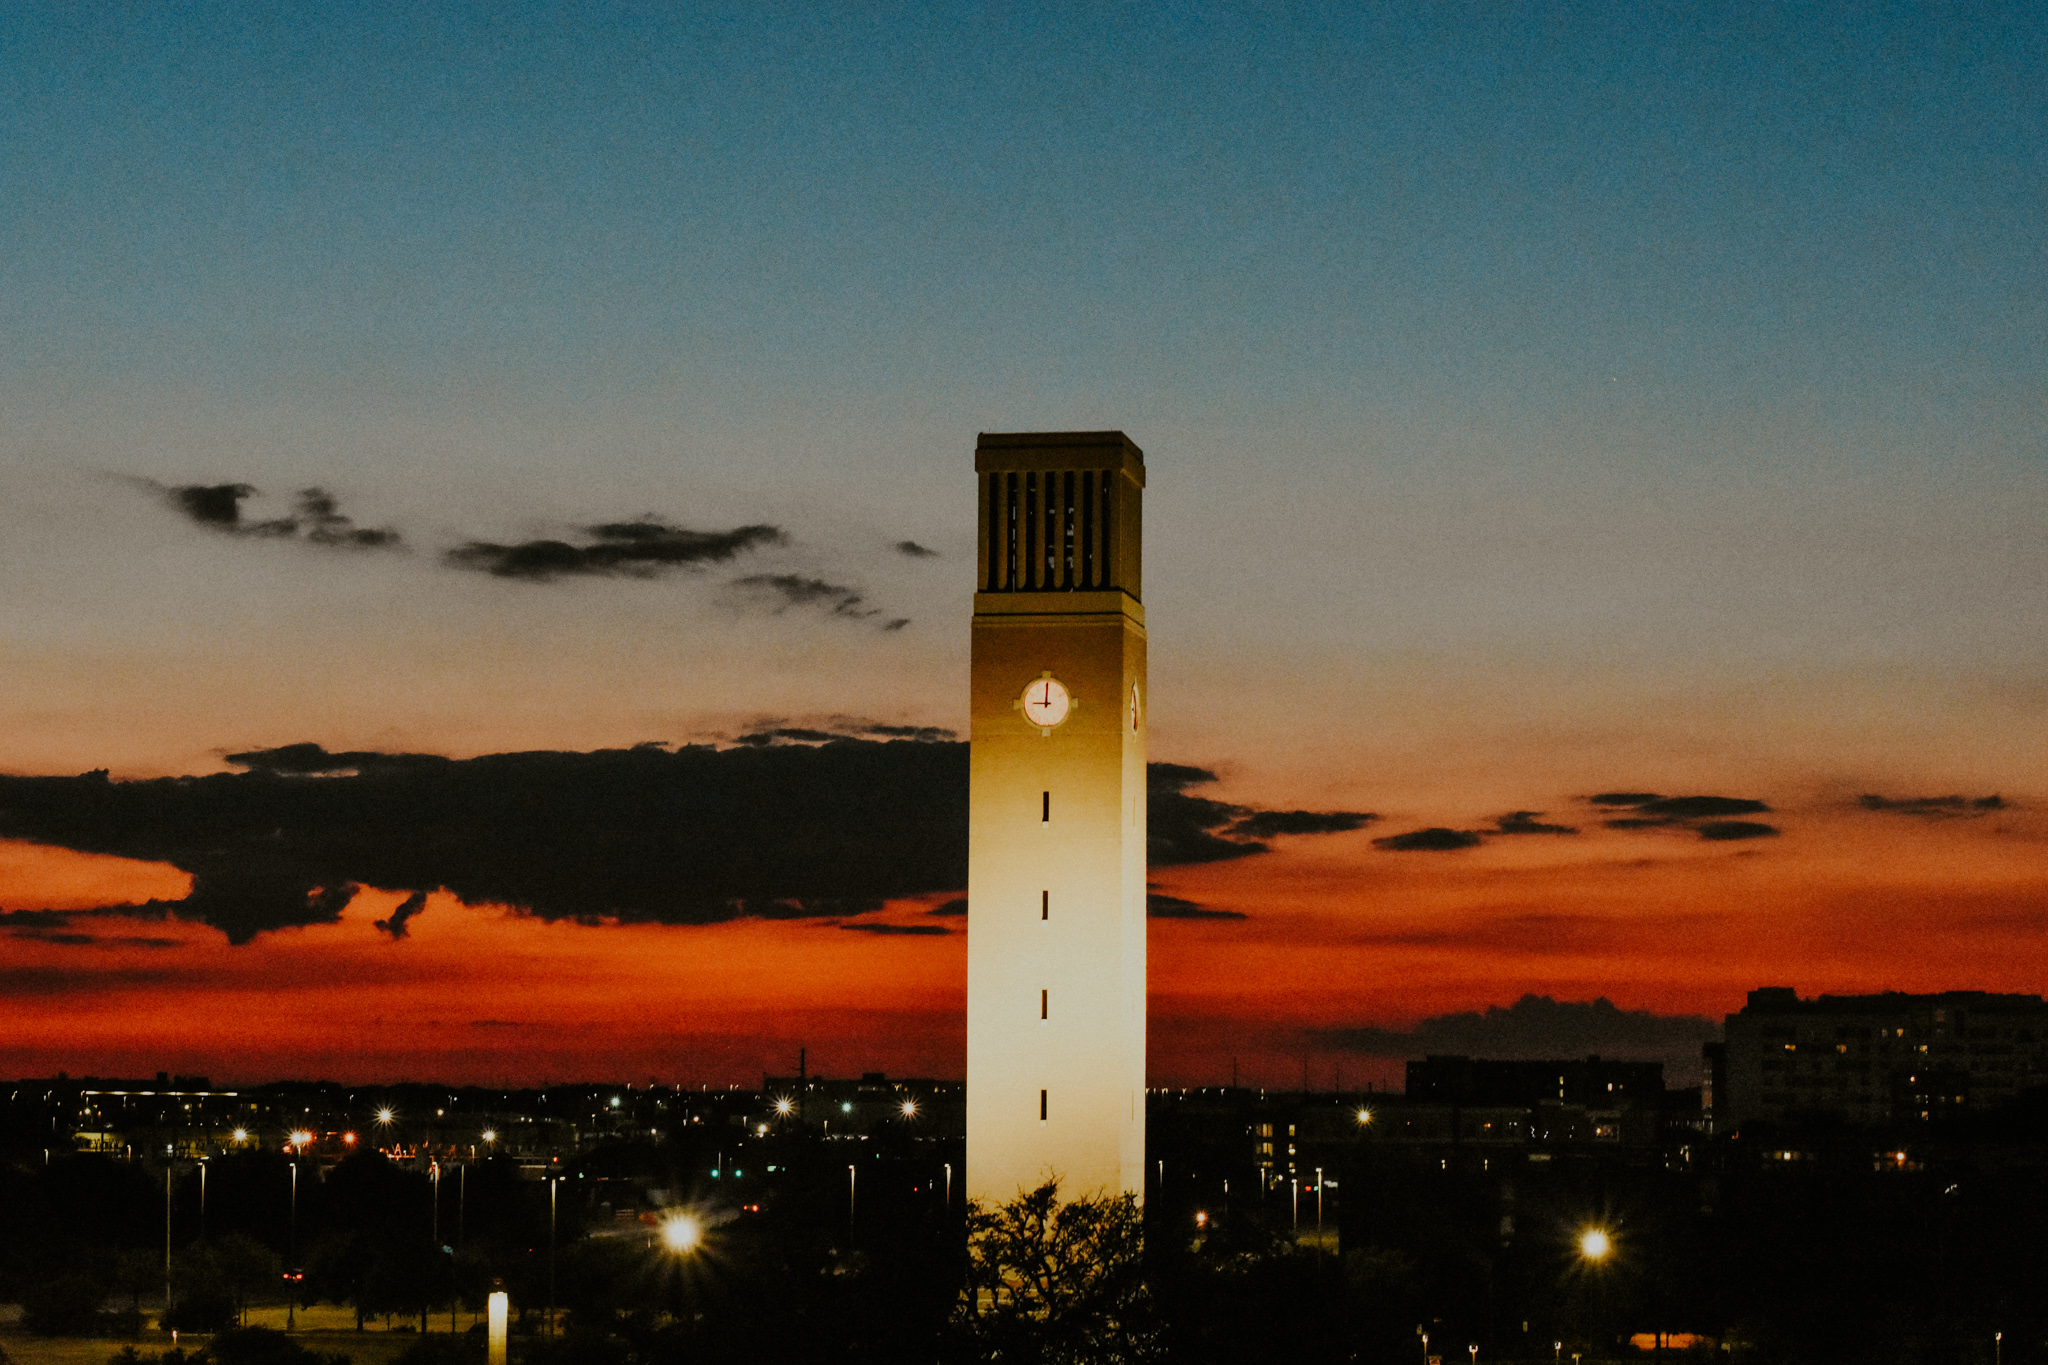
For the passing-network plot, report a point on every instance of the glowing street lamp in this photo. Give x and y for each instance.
(784, 1107)
(1363, 1117)
(908, 1108)
(682, 1234)
(1595, 1245)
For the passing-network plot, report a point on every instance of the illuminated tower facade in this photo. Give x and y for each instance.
(1056, 844)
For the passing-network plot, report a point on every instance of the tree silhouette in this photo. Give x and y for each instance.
(1056, 1283)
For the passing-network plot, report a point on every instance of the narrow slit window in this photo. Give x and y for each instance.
(1045, 905)
(1045, 809)
(1041, 1106)
(1044, 1001)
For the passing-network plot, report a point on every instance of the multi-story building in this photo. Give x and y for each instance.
(1877, 1060)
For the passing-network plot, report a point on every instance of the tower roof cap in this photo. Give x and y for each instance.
(1029, 450)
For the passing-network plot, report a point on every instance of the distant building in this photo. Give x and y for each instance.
(1877, 1060)
(1594, 1083)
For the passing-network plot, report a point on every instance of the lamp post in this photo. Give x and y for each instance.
(851, 1187)
(291, 1248)
(949, 1184)
(553, 1181)
(1319, 1201)
(167, 1237)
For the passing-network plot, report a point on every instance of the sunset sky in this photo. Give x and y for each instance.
(1540, 403)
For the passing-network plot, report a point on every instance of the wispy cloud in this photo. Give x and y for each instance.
(1934, 807)
(633, 549)
(316, 519)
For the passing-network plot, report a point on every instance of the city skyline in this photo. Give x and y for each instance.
(1595, 538)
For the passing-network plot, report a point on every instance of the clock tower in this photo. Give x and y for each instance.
(1056, 843)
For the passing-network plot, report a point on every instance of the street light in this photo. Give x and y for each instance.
(784, 1107)
(1594, 1245)
(909, 1109)
(1474, 1349)
(553, 1181)
(681, 1234)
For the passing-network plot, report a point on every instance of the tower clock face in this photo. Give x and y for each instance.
(1046, 703)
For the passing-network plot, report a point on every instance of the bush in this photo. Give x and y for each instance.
(65, 1307)
(262, 1346)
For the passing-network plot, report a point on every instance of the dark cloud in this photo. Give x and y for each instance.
(1705, 815)
(801, 590)
(697, 835)
(217, 504)
(788, 734)
(1183, 828)
(927, 733)
(1161, 906)
(321, 519)
(1537, 1026)
(75, 939)
(1525, 822)
(1435, 840)
(410, 906)
(915, 550)
(318, 519)
(1724, 831)
(636, 549)
(922, 930)
(310, 759)
(842, 727)
(86, 982)
(1690, 807)
(1702, 807)
(1934, 807)
(1267, 824)
(952, 909)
